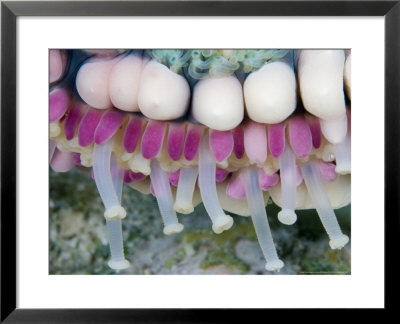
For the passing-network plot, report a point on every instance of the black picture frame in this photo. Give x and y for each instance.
(10, 11)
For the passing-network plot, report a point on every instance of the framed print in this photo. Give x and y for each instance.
(209, 111)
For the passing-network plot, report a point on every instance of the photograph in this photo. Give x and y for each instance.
(196, 161)
(226, 161)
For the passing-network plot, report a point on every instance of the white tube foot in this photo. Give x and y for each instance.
(339, 242)
(287, 216)
(119, 264)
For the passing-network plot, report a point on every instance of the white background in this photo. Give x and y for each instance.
(363, 288)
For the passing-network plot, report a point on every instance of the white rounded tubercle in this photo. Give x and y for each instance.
(258, 213)
(288, 173)
(270, 93)
(218, 102)
(320, 199)
(347, 76)
(124, 82)
(163, 94)
(334, 130)
(186, 186)
(320, 75)
(104, 182)
(92, 82)
(208, 190)
(162, 191)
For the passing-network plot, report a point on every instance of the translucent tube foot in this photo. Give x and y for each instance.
(184, 208)
(114, 226)
(343, 156)
(287, 165)
(222, 223)
(321, 202)
(119, 264)
(162, 190)
(208, 189)
(173, 229)
(104, 181)
(258, 212)
(339, 242)
(115, 212)
(287, 216)
(184, 194)
(274, 265)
